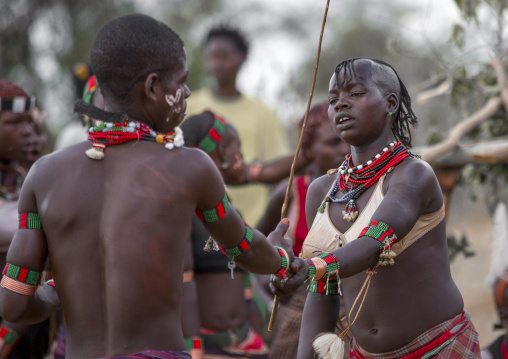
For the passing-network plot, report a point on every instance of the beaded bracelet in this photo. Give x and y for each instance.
(281, 273)
(325, 264)
(329, 286)
(253, 172)
(214, 214)
(382, 233)
(194, 343)
(212, 139)
(234, 252)
(29, 221)
(8, 336)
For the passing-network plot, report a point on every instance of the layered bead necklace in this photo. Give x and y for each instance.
(354, 180)
(110, 133)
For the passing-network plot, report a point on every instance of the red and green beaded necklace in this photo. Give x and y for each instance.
(109, 133)
(354, 180)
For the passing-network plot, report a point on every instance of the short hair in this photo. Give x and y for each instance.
(230, 33)
(391, 81)
(196, 127)
(318, 115)
(128, 48)
(9, 89)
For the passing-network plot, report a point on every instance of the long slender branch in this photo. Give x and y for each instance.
(461, 129)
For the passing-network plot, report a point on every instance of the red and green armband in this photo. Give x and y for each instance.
(214, 214)
(8, 336)
(194, 343)
(324, 265)
(384, 234)
(328, 286)
(212, 139)
(20, 280)
(234, 252)
(29, 221)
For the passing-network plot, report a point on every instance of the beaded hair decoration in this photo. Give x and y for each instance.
(212, 139)
(111, 133)
(354, 180)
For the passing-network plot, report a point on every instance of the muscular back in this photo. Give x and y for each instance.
(120, 226)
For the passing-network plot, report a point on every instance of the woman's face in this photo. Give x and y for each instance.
(16, 130)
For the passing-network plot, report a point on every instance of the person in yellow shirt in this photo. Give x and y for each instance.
(262, 136)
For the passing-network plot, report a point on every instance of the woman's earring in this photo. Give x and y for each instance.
(225, 164)
(390, 113)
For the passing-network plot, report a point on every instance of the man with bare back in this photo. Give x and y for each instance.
(114, 216)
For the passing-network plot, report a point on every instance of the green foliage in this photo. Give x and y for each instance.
(468, 8)
(483, 174)
(496, 127)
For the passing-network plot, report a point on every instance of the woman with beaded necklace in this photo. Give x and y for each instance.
(381, 212)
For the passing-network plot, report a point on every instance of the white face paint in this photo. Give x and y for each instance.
(174, 101)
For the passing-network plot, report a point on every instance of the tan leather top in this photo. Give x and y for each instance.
(323, 236)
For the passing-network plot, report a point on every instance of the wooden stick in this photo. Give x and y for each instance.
(284, 210)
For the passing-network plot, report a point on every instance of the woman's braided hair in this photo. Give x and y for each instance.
(405, 116)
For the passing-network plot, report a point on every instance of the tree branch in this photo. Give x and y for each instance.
(461, 129)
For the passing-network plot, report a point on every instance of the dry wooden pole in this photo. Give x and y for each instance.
(284, 210)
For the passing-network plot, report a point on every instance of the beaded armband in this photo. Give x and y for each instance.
(329, 286)
(29, 221)
(8, 336)
(234, 252)
(325, 264)
(20, 280)
(214, 136)
(194, 343)
(216, 213)
(382, 233)
(284, 265)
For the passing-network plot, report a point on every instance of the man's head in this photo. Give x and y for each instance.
(386, 79)
(129, 48)
(226, 50)
(16, 122)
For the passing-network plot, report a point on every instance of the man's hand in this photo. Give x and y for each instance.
(276, 238)
(297, 274)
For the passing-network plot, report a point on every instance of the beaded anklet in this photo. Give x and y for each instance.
(234, 252)
(281, 273)
(212, 139)
(382, 233)
(29, 221)
(8, 336)
(194, 343)
(214, 214)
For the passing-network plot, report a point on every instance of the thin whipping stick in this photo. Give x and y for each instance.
(284, 211)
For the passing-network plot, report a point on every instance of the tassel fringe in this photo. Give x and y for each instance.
(329, 346)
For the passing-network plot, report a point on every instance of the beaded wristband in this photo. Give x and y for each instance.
(195, 343)
(325, 264)
(253, 172)
(29, 221)
(8, 336)
(23, 275)
(214, 136)
(329, 286)
(281, 273)
(382, 233)
(216, 213)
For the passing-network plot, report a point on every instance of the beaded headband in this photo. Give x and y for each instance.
(212, 139)
(17, 104)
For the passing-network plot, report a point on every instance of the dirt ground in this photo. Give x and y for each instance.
(471, 219)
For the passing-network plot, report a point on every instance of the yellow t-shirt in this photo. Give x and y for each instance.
(263, 139)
